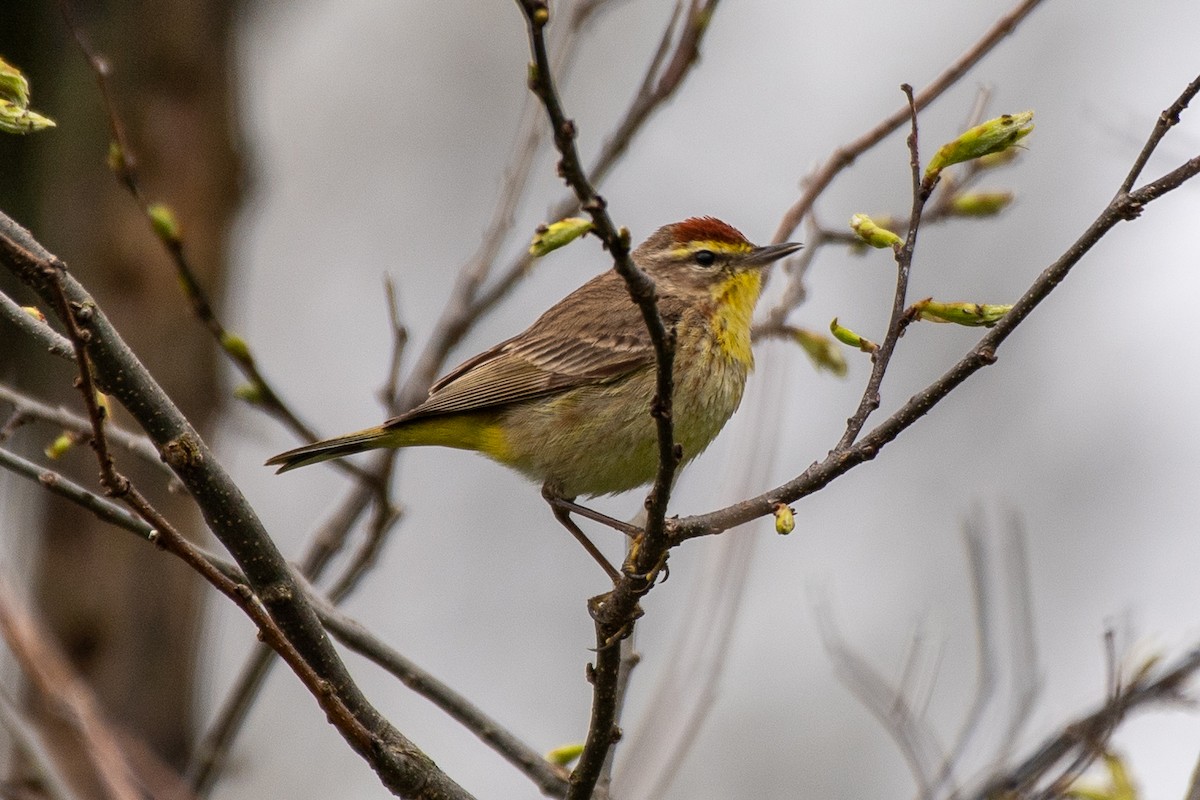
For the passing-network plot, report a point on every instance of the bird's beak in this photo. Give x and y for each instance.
(772, 252)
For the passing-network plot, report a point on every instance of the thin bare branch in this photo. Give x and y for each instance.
(882, 357)
(125, 166)
(28, 742)
(1168, 119)
(844, 156)
(615, 612)
(1123, 207)
(64, 487)
(347, 630)
(53, 679)
(1022, 645)
(54, 342)
(1089, 733)
(1193, 792)
(911, 733)
(277, 606)
(548, 777)
(470, 300)
(985, 647)
(137, 444)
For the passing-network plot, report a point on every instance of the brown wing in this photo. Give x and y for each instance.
(594, 335)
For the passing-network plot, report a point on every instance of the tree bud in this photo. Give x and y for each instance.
(969, 314)
(871, 233)
(558, 234)
(785, 519)
(59, 447)
(15, 115)
(162, 218)
(980, 204)
(13, 86)
(823, 351)
(847, 336)
(34, 312)
(235, 346)
(564, 755)
(993, 136)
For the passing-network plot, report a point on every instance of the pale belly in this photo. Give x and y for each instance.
(600, 440)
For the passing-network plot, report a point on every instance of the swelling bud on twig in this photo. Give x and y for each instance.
(34, 312)
(14, 119)
(993, 160)
(13, 86)
(116, 158)
(847, 336)
(871, 232)
(557, 234)
(785, 519)
(980, 204)
(162, 218)
(60, 446)
(15, 114)
(250, 393)
(564, 755)
(993, 136)
(969, 314)
(103, 405)
(823, 351)
(235, 346)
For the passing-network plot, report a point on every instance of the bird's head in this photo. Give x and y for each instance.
(704, 253)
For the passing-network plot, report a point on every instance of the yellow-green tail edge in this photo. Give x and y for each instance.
(328, 449)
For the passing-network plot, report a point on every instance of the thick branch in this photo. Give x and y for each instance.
(549, 778)
(400, 765)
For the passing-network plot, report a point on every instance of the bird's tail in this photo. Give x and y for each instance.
(326, 449)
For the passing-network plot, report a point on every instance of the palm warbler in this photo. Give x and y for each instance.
(567, 402)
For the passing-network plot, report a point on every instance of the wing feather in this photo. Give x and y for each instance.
(593, 336)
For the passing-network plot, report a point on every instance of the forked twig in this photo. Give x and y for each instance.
(1124, 206)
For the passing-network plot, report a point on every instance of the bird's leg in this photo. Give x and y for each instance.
(570, 506)
(562, 509)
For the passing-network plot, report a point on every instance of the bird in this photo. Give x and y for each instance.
(567, 402)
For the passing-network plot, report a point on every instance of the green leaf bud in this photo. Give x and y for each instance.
(60, 446)
(823, 351)
(235, 346)
(993, 160)
(249, 392)
(15, 119)
(849, 337)
(564, 755)
(969, 314)
(115, 158)
(993, 136)
(162, 218)
(785, 519)
(558, 234)
(871, 233)
(13, 86)
(34, 312)
(980, 204)
(103, 405)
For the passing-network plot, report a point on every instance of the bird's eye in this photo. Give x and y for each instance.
(706, 258)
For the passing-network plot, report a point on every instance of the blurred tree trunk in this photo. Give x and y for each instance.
(127, 615)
